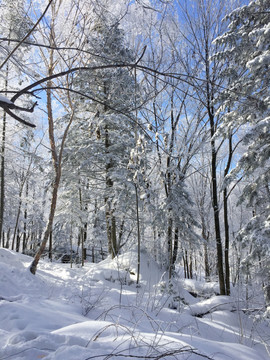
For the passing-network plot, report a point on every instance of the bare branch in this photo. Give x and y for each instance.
(19, 119)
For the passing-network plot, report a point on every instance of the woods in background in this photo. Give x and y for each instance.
(152, 130)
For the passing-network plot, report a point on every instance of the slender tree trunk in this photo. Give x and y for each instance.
(25, 221)
(71, 247)
(138, 236)
(190, 265)
(83, 230)
(8, 239)
(226, 222)
(206, 260)
(175, 245)
(2, 190)
(170, 246)
(3, 148)
(187, 265)
(18, 241)
(33, 267)
(110, 218)
(50, 246)
(216, 220)
(83, 242)
(215, 203)
(24, 243)
(57, 168)
(168, 190)
(227, 242)
(56, 158)
(19, 210)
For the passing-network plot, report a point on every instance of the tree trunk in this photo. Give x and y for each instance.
(213, 127)
(3, 148)
(8, 238)
(83, 230)
(2, 191)
(206, 263)
(190, 265)
(57, 159)
(25, 222)
(24, 242)
(3, 240)
(33, 267)
(226, 222)
(84, 238)
(139, 237)
(57, 169)
(175, 245)
(18, 241)
(170, 246)
(215, 186)
(71, 247)
(227, 242)
(110, 218)
(217, 224)
(50, 246)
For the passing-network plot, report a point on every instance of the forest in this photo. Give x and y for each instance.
(138, 125)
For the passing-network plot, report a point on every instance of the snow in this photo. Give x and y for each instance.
(5, 100)
(98, 312)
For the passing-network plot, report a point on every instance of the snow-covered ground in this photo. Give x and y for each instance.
(98, 312)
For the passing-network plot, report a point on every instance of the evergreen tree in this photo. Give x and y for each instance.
(246, 104)
(105, 130)
(14, 25)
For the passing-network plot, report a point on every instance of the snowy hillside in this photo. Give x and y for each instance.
(97, 312)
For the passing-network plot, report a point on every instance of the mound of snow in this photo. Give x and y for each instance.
(214, 304)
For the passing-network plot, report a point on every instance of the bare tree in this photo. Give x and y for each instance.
(202, 24)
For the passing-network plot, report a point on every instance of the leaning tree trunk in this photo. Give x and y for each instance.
(56, 183)
(56, 157)
(57, 169)
(48, 230)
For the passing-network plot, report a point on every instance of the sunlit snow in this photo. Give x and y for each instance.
(98, 312)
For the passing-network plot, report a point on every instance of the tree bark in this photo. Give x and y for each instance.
(18, 241)
(216, 212)
(226, 222)
(215, 204)
(175, 245)
(206, 260)
(2, 191)
(110, 218)
(25, 222)
(50, 246)
(3, 147)
(139, 236)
